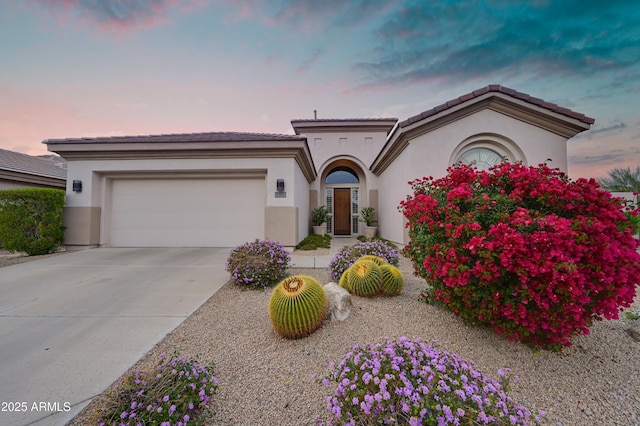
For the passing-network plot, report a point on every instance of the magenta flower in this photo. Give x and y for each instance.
(523, 250)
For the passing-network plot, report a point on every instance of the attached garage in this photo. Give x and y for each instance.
(187, 212)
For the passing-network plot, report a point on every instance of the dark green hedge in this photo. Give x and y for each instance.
(31, 220)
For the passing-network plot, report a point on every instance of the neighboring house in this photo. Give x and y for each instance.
(25, 171)
(223, 189)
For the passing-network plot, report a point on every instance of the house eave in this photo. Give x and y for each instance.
(141, 150)
(32, 179)
(518, 109)
(343, 125)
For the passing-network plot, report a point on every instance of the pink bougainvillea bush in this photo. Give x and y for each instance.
(524, 250)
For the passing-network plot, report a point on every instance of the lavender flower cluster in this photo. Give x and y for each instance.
(260, 263)
(407, 382)
(175, 394)
(349, 254)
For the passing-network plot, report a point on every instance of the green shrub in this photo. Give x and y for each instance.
(313, 242)
(632, 315)
(31, 220)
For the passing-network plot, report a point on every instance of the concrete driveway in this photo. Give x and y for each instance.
(70, 325)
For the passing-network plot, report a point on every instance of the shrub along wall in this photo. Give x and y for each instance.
(31, 220)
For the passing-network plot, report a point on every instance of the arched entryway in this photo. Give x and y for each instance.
(343, 184)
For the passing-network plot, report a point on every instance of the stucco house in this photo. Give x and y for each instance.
(223, 189)
(19, 170)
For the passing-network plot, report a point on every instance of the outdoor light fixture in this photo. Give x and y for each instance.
(77, 186)
(280, 185)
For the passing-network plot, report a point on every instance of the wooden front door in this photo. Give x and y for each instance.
(342, 211)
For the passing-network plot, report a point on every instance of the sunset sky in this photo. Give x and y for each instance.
(82, 68)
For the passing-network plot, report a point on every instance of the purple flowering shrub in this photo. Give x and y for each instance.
(349, 254)
(407, 382)
(261, 263)
(176, 393)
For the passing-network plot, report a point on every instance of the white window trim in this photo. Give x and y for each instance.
(502, 145)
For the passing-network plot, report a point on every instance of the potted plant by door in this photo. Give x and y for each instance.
(367, 216)
(319, 216)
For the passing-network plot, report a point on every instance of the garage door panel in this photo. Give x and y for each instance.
(186, 212)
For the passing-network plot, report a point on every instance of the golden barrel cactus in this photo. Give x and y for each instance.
(365, 278)
(377, 259)
(392, 280)
(344, 280)
(298, 306)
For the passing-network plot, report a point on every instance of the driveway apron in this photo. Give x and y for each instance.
(70, 325)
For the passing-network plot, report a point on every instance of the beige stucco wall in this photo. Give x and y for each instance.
(431, 153)
(361, 145)
(356, 149)
(278, 220)
(13, 185)
(82, 226)
(88, 210)
(301, 201)
(393, 188)
(368, 181)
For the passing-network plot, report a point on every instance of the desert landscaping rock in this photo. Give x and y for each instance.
(339, 302)
(634, 332)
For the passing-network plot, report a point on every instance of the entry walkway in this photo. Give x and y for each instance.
(322, 261)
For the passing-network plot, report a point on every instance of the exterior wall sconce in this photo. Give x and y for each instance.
(77, 186)
(280, 189)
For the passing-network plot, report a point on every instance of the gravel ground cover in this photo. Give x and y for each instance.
(8, 259)
(267, 380)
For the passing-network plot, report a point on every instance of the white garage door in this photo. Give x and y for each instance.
(186, 212)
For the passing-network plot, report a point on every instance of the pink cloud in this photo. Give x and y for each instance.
(113, 16)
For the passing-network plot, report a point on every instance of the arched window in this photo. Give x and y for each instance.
(342, 175)
(487, 149)
(482, 158)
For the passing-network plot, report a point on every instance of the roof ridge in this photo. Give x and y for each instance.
(498, 89)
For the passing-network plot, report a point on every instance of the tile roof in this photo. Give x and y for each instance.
(496, 88)
(50, 166)
(339, 120)
(181, 137)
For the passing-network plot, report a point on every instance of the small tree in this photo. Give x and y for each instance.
(31, 220)
(622, 180)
